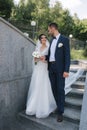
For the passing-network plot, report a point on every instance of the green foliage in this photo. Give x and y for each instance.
(6, 8)
(85, 52)
(77, 54)
(80, 29)
(23, 11)
(43, 14)
(66, 23)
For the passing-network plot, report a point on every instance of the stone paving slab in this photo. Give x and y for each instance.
(51, 122)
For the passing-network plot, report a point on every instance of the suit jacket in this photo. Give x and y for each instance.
(62, 54)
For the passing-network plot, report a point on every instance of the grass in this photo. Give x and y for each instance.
(77, 54)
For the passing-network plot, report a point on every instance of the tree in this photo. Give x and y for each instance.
(63, 18)
(23, 10)
(43, 14)
(80, 29)
(6, 8)
(66, 23)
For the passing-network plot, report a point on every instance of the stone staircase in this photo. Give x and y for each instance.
(73, 104)
(73, 100)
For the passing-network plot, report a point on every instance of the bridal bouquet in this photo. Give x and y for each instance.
(36, 54)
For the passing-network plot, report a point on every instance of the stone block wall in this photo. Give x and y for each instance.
(15, 71)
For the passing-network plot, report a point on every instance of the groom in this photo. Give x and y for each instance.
(58, 65)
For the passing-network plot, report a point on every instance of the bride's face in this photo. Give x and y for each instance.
(43, 39)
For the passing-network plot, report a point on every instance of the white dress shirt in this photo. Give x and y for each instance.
(53, 48)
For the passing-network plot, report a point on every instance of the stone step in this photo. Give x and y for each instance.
(78, 84)
(75, 103)
(48, 123)
(75, 70)
(74, 62)
(82, 78)
(81, 63)
(72, 115)
(78, 93)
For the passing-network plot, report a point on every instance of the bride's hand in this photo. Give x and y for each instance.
(42, 58)
(36, 59)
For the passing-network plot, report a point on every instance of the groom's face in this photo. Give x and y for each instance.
(51, 31)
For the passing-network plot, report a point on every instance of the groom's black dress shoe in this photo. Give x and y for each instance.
(60, 118)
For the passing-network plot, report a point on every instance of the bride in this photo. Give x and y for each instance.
(40, 99)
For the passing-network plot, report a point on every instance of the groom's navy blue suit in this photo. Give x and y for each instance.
(56, 69)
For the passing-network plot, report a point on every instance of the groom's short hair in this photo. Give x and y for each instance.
(53, 25)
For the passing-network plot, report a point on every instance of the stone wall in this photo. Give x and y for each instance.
(83, 120)
(15, 71)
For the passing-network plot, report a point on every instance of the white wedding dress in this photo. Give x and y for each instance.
(40, 100)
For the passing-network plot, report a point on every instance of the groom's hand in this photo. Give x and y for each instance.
(65, 74)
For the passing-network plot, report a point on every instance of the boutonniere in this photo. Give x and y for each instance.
(60, 45)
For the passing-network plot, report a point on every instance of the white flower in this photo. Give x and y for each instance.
(60, 44)
(26, 34)
(36, 54)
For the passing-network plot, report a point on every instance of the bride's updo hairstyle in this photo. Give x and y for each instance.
(41, 36)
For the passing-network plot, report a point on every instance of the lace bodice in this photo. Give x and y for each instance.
(43, 52)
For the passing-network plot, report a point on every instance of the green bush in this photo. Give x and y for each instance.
(85, 52)
(78, 54)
